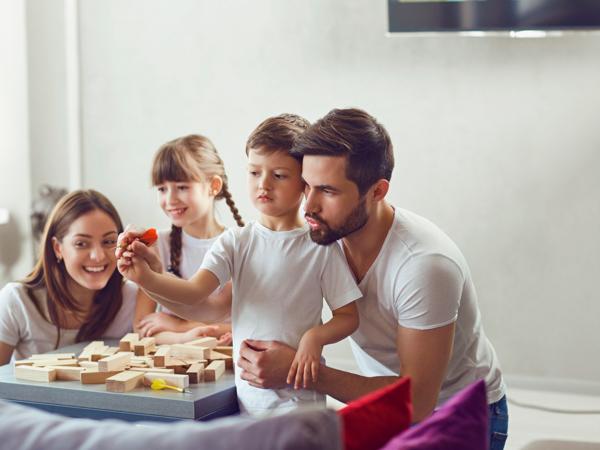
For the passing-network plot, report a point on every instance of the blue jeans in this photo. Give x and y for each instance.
(498, 424)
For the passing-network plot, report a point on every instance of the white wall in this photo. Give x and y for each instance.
(496, 139)
(15, 249)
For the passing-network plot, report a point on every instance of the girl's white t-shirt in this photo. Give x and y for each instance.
(279, 281)
(22, 326)
(192, 254)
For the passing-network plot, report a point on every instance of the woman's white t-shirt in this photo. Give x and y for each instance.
(22, 326)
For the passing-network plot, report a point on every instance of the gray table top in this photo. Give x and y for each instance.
(203, 399)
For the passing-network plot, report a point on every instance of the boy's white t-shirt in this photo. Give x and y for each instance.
(192, 254)
(22, 326)
(396, 292)
(279, 281)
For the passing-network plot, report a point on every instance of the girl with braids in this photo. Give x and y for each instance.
(74, 292)
(189, 177)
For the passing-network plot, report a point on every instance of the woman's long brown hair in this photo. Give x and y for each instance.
(52, 276)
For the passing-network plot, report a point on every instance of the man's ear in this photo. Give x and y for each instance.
(216, 185)
(380, 189)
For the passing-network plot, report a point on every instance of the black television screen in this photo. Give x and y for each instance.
(492, 15)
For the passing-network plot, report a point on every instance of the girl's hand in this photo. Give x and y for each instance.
(305, 367)
(157, 322)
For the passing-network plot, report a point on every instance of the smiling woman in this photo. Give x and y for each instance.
(74, 292)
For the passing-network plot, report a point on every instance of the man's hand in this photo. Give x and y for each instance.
(265, 364)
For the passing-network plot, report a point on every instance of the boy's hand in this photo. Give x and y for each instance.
(134, 268)
(305, 367)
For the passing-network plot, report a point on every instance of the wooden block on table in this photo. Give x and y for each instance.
(214, 370)
(187, 351)
(144, 346)
(89, 365)
(24, 362)
(208, 342)
(53, 356)
(160, 355)
(94, 377)
(95, 347)
(118, 361)
(35, 373)
(127, 342)
(55, 362)
(124, 381)
(152, 369)
(196, 373)
(180, 381)
(66, 373)
(225, 349)
(216, 356)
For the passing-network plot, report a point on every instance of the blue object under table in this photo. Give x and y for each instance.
(205, 401)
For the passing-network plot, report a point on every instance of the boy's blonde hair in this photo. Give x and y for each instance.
(278, 133)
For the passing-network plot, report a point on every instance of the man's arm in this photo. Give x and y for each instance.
(423, 354)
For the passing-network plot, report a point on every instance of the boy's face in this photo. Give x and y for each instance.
(334, 208)
(274, 182)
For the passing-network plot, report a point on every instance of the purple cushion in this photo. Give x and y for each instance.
(460, 423)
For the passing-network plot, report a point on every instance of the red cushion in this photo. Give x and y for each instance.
(370, 421)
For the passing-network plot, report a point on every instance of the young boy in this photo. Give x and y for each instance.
(279, 275)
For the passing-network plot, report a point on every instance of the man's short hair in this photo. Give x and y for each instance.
(278, 133)
(355, 134)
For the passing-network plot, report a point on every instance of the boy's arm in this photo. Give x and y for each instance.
(343, 323)
(176, 290)
(423, 354)
(306, 363)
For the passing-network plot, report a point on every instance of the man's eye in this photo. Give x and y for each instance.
(280, 176)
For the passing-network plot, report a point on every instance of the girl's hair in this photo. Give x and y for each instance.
(52, 276)
(190, 158)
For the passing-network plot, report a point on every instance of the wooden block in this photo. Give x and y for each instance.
(187, 351)
(55, 362)
(95, 347)
(94, 377)
(124, 381)
(126, 343)
(214, 370)
(35, 373)
(66, 373)
(225, 349)
(159, 356)
(208, 342)
(180, 381)
(152, 369)
(24, 362)
(144, 346)
(216, 356)
(118, 361)
(196, 373)
(53, 356)
(89, 365)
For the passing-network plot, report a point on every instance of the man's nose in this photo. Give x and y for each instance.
(311, 204)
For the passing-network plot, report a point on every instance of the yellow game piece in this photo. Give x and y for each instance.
(159, 384)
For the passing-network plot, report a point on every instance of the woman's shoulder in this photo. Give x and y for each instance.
(13, 292)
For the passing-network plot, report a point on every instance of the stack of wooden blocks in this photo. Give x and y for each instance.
(135, 362)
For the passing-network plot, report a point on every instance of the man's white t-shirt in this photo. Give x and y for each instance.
(22, 326)
(421, 280)
(192, 254)
(279, 281)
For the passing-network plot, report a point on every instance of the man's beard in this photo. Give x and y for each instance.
(326, 235)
